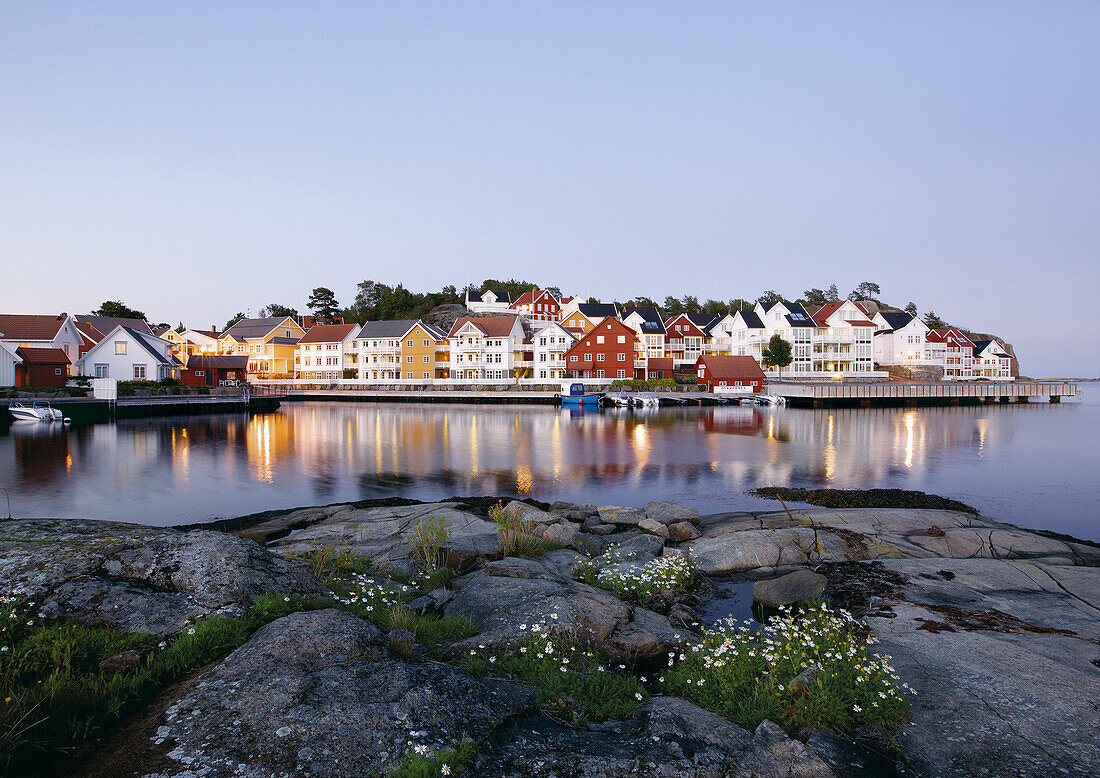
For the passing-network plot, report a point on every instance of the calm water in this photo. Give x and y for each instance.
(1034, 465)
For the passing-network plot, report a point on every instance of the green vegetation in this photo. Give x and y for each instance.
(328, 562)
(640, 385)
(514, 539)
(55, 694)
(644, 583)
(808, 669)
(322, 301)
(777, 353)
(421, 762)
(575, 683)
(426, 542)
(863, 498)
(117, 310)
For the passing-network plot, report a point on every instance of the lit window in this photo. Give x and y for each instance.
(120, 347)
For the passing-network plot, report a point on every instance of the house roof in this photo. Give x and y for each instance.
(752, 321)
(89, 332)
(493, 326)
(738, 368)
(433, 330)
(669, 324)
(895, 320)
(597, 310)
(981, 345)
(4, 347)
(475, 297)
(254, 328)
(29, 326)
(651, 318)
(942, 335)
(704, 321)
(822, 314)
(107, 323)
(232, 362)
(328, 333)
(798, 316)
(42, 356)
(284, 341)
(386, 329)
(531, 297)
(153, 345)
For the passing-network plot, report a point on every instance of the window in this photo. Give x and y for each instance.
(621, 374)
(622, 339)
(409, 359)
(599, 357)
(572, 357)
(427, 359)
(409, 343)
(139, 372)
(120, 347)
(57, 371)
(409, 375)
(622, 356)
(427, 375)
(588, 357)
(200, 373)
(599, 374)
(288, 334)
(599, 338)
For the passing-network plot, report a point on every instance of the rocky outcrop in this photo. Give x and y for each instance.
(140, 579)
(790, 588)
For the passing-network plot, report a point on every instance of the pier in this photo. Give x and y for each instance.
(814, 394)
(86, 410)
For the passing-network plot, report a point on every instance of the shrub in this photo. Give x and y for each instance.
(747, 675)
(642, 385)
(328, 562)
(643, 583)
(422, 762)
(514, 539)
(574, 682)
(427, 540)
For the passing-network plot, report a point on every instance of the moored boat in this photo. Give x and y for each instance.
(574, 393)
(35, 412)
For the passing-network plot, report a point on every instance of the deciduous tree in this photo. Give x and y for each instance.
(777, 353)
(118, 310)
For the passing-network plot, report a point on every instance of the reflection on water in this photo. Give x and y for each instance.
(1033, 465)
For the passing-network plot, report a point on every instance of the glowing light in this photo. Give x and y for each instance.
(523, 479)
(910, 422)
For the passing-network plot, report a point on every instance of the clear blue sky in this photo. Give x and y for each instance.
(195, 159)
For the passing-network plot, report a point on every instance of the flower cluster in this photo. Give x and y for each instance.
(644, 581)
(365, 591)
(809, 668)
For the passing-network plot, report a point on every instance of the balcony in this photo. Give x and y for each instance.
(640, 364)
(380, 349)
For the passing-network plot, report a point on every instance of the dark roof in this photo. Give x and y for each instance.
(704, 321)
(433, 330)
(651, 318)
(475, 297)
(200, 361)
(284, 341)
(751, 319)
(982, 345)
(798, 316)
(31, 326)
(42, 356)
(254, 328)
(149, 342)
(597, 310)
(327, 333)
(895, 320)
(107, 323)
(768, 306)
(385, 329)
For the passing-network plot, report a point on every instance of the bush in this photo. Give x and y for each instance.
(514, 539)
(643, 385)
(421, 762)
(427, 540)
(329, 562)
(665, 574)
(749, 676)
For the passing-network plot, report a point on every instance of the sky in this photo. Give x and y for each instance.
(197, 159)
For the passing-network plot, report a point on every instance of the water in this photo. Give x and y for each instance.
(1034, 465)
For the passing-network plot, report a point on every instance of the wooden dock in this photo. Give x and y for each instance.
(820, 394)
(85, 410)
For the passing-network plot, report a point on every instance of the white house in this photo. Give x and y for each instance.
(953, 350)
(378, 346)
(991, 361)
(8, 360)
(900, 339)
(842, 342)
(47, 331)
(127, 354)
(487, 301)
(489, 348)
(325, 351)
(549, 345)
(793, 323)
(745, 331)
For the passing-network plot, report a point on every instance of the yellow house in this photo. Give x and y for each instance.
(424, 353)
(270, 344)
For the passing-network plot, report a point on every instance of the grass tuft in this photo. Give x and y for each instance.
(422, 762)
(514, 539)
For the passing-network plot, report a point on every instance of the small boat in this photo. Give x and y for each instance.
(622, 399)
(573, 393)
(35, 412)
(646, 399)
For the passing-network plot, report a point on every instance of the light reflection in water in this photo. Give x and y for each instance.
(1020, 462)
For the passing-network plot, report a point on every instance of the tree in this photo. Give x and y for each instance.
(234, 319)
(716, 306)
(933, 321)
(867, 290)
(777, 354)
(555, 291)
(832, 294)
(740, 304)
(322, 301)
(672, 306)
(690, 303)
(642, 302)
(911, 309)
(117, 310)
(815, 296)
(274, 309)
(769, 297)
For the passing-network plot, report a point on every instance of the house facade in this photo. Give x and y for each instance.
(378, 347)
(425, 353)
(954, 351)
(270, 344)
(605, 351)
(488, 349)
(42, 331)
(580, 317)
(9, 360)
(842, 340)
(325, 352)
(127, 354)
(48, 367)
(215, 370)
(746, 334)
(537, 305)
(549, 346)
(646, 321)
(683, 340)
(487, 301)
(900, 339)
(729, 374)
(990, 361)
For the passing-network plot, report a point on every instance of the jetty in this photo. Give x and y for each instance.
(821, 394)
(87, 410)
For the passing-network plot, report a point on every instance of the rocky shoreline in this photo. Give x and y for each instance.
(996, 629)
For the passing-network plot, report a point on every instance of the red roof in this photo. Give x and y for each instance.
(493, 326)
(29, 326)
(736, 368)
(532, 297)
(327, 333)
(42, 356)
(694, 332)
(942, 335)
(861, 323)
(89, 332)
(659, 363)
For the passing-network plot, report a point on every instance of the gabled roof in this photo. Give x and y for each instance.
(942, 336)
(433, 330)
(107, 323)
(42, 356)
(981, 345)
(475, 297)
(651, 318)
(704, 321)
(532, 297)
(895, 320)
(89, 333)
(822, 314)
(4, 347)
(798, 316)
(231, 362)
(752, 321)
(669, 324)
(768, 306)
(153, 345)
(328, 333)
(737, 368)
(395, 328)
(597, 310)
(247, 329)
(493, 326)
(29, 326)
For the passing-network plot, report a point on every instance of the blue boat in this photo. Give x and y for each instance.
(573, 393)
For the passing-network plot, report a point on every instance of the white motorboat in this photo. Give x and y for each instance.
(622, 399)
(35, 412)
(646, 399)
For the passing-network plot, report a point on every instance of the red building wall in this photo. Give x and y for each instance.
(589, 356)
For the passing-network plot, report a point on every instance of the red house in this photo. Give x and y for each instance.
(210, 370)
(684, 340)
(729, 374)
(41, 367)
(606, 351)
(537, 305)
